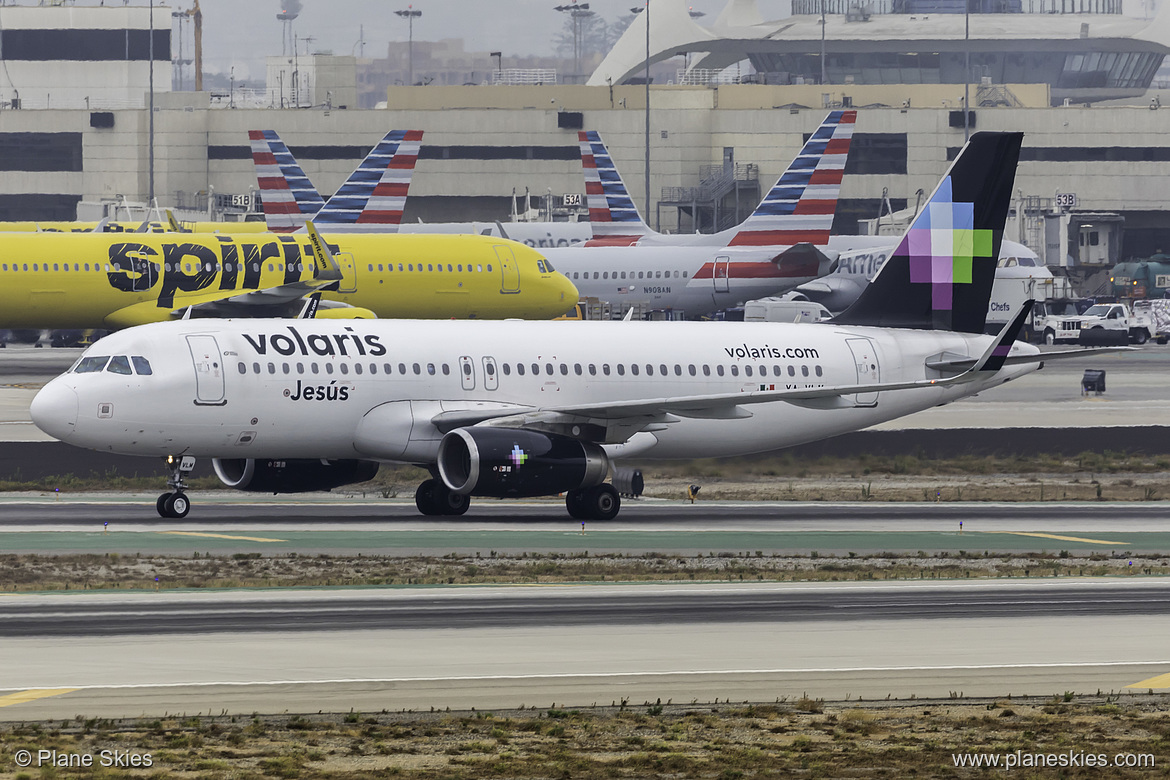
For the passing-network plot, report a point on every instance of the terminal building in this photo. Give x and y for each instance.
(1090, 187)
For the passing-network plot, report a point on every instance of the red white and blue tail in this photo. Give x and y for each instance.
(288, 195)
(612, 213)
(373, 197)
(801, 206)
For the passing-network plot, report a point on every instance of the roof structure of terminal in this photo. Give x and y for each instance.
(1086, 50)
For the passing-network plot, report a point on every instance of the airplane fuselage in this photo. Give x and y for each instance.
(371, 389)
(694, 279)
(57, 280)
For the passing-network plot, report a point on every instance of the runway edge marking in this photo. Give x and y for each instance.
(222, 536)
(1059, 538)
(32, 695)
(1161, 681)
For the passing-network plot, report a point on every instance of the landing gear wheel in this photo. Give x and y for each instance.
(173, 505)
(575, 503)
(425, 498)
(449, 502)
(602, 502)
(178, 505)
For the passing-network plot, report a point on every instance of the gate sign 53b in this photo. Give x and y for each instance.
(1066, 200)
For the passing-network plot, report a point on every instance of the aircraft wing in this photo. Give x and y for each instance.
(287, 300)
(1016, 360)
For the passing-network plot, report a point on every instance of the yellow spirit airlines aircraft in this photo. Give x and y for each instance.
(102, 280)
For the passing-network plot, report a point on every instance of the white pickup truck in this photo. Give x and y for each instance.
(1140, 325)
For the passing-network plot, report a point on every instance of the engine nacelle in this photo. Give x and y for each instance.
(510, 463)
(291, 476)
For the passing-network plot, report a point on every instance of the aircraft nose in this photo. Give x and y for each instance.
(54, 409)
(569, 294)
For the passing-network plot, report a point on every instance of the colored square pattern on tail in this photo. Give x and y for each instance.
(942, 246)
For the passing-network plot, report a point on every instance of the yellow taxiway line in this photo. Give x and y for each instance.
(1064, 538)
(223, 536)
(1161, 681)
(32, 695)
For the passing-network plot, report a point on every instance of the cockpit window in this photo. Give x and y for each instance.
(548, 266)
(90, 365)
(119, 364)
(141, 365)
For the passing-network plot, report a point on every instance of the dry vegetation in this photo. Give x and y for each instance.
(803, 738)
(252, 570)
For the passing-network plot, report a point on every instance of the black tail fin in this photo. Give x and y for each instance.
(940, 275)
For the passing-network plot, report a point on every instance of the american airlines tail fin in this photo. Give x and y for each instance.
(801, 205)
(289, 197)
(612, 213)
(373, 197)
(940, 275)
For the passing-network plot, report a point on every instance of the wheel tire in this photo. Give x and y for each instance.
(575, 503)
(603, 502)
(424, 498)
(178, 505)
(1141, 336)
(449, 502)
(1049, 337)
(161, 505)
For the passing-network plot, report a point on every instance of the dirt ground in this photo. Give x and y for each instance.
(723, 740)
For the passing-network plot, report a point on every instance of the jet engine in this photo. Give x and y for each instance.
(291, 476)
(511, 463)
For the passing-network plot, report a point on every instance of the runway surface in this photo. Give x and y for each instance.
(221, 524)
(146, 654)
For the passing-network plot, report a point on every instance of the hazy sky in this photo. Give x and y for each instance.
(243, 32)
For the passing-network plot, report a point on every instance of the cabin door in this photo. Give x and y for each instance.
(722, 273)
(509, 271)
(209, 380)
(868, 373)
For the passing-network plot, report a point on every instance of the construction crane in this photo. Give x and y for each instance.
(196, 15)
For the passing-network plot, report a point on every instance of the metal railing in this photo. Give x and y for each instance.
(514, 76)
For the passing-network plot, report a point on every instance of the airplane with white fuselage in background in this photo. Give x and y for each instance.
(624, 263)
(516, 409)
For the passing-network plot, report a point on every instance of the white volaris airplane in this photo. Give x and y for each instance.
(514, 409)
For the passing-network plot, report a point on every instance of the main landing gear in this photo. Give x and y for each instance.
(600, 502)
(434, 498)
(176, 504)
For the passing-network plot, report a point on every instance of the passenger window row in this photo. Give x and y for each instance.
(522, 369)
(118, 364)
(343, 368)
(615, 275)
(451, 268)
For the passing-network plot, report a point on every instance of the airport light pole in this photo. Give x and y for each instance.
(150, 140)
(410, 14)
(647, 80)
(967, 70)
(823, 41)
(577, 12)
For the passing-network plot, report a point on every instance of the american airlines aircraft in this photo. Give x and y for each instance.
(515, 409)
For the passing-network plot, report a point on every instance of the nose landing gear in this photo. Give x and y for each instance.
(176, 504)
